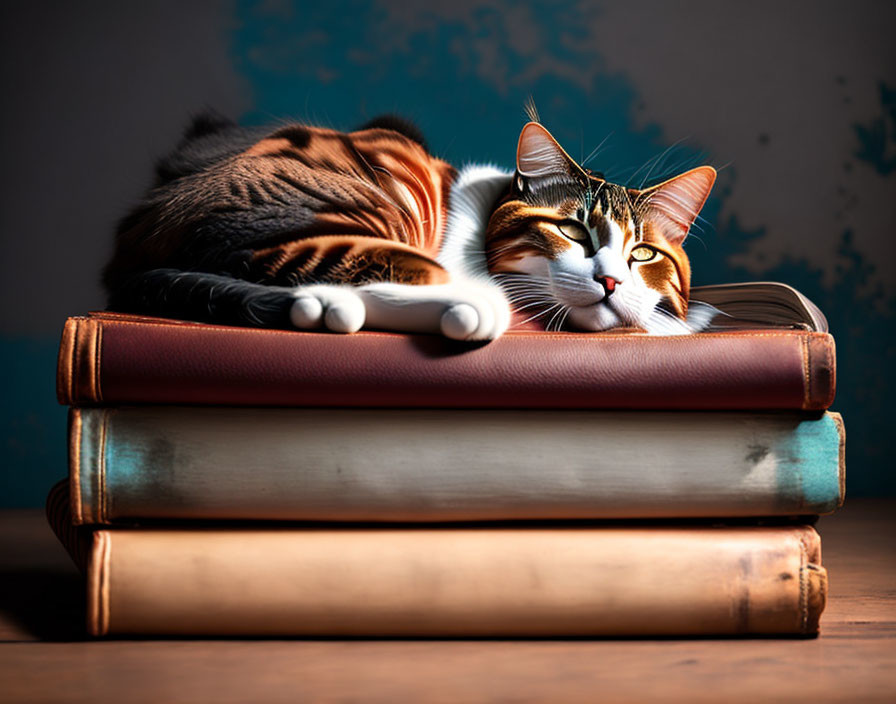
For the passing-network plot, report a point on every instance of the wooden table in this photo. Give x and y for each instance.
(43, 656)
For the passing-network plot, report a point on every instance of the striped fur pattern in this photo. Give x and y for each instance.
(580, 250)
(318, 229)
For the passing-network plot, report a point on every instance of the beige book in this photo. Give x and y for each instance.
(559, 581)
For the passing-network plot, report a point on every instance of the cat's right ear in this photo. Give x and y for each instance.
(538, 155)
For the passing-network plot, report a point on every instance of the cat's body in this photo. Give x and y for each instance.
(315, 228)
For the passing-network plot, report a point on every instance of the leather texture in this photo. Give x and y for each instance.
(193, 463)
(456, 582)
(116, 359)
(543, 581)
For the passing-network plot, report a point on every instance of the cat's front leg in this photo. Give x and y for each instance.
(465, 310)
(461, 310)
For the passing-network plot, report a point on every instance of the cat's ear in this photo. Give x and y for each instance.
(538, 154)
(673, 205)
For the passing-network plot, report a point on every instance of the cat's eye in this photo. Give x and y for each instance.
(574, 230)
(643, 253)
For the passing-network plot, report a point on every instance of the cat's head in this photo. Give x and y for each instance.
(574, 248)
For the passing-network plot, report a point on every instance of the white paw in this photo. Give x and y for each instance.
(460, 321)
(336, 308)
(463, 310)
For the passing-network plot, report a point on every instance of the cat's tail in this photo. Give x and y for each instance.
(194, 295)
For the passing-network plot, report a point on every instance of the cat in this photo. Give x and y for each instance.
(318, 229)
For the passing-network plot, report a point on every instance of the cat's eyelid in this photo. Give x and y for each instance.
(575, 225)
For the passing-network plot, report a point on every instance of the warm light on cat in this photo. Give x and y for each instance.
(317, 229)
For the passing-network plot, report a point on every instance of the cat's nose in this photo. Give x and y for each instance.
(608, 282)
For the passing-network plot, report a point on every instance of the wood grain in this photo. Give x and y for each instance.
(42, 656)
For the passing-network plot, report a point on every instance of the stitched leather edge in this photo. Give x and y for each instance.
(102, 498)
(84, 362)
(831, 359)
(821, 371)
(122, 319)
(98, 584)
(74, 464)
(841, 459)
(804, 585)
(97, 359)
(66, 360)
(813, 581)
(807, 377)
(816, 597)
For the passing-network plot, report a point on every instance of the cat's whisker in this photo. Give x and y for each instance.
(596, 150)
(527, 292)
(538, 315)
(661, 157)
(555, 316)
(532, 305)
(562, 322)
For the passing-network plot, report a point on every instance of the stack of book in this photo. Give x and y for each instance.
(246, 482)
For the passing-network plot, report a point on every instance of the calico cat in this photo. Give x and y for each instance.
(318, 229)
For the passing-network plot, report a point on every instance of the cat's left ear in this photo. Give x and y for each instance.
(673, 205)
(538, 154)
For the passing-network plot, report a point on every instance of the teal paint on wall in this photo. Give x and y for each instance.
(33, 424)
(322, 65)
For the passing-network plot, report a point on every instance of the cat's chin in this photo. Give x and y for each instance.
(594, 318)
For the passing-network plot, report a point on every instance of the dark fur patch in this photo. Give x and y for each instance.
(297, 135)
(398, 124)
(193, 295)
(210, 138)
(205, 123)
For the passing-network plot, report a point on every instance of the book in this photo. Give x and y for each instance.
(545, 581)
(116, 359)
(198, 463)
(761, 304)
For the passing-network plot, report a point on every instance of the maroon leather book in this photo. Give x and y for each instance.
(108, 358)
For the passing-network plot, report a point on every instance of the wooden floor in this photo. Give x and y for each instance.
(43, 655)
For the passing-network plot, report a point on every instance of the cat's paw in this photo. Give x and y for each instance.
(467, 310)
(335, 308)
(478, 313)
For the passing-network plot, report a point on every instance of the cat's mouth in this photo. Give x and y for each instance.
(595, 311)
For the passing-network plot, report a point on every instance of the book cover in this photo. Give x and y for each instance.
(118, 359)
(456, 582)
(198, 463)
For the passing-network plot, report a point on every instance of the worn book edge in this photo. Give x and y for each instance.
(820, 371)
(79, 367)
(89, 435)
(92, 552)
(79, 364)
(87, 465)
(812, 597)
(841, 459)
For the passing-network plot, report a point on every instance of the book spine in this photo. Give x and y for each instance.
(87, 465)
(820, 368)
(449, 582)
(177, 463)
(78, 364)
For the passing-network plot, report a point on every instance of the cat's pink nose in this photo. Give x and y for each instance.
(608, 282)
